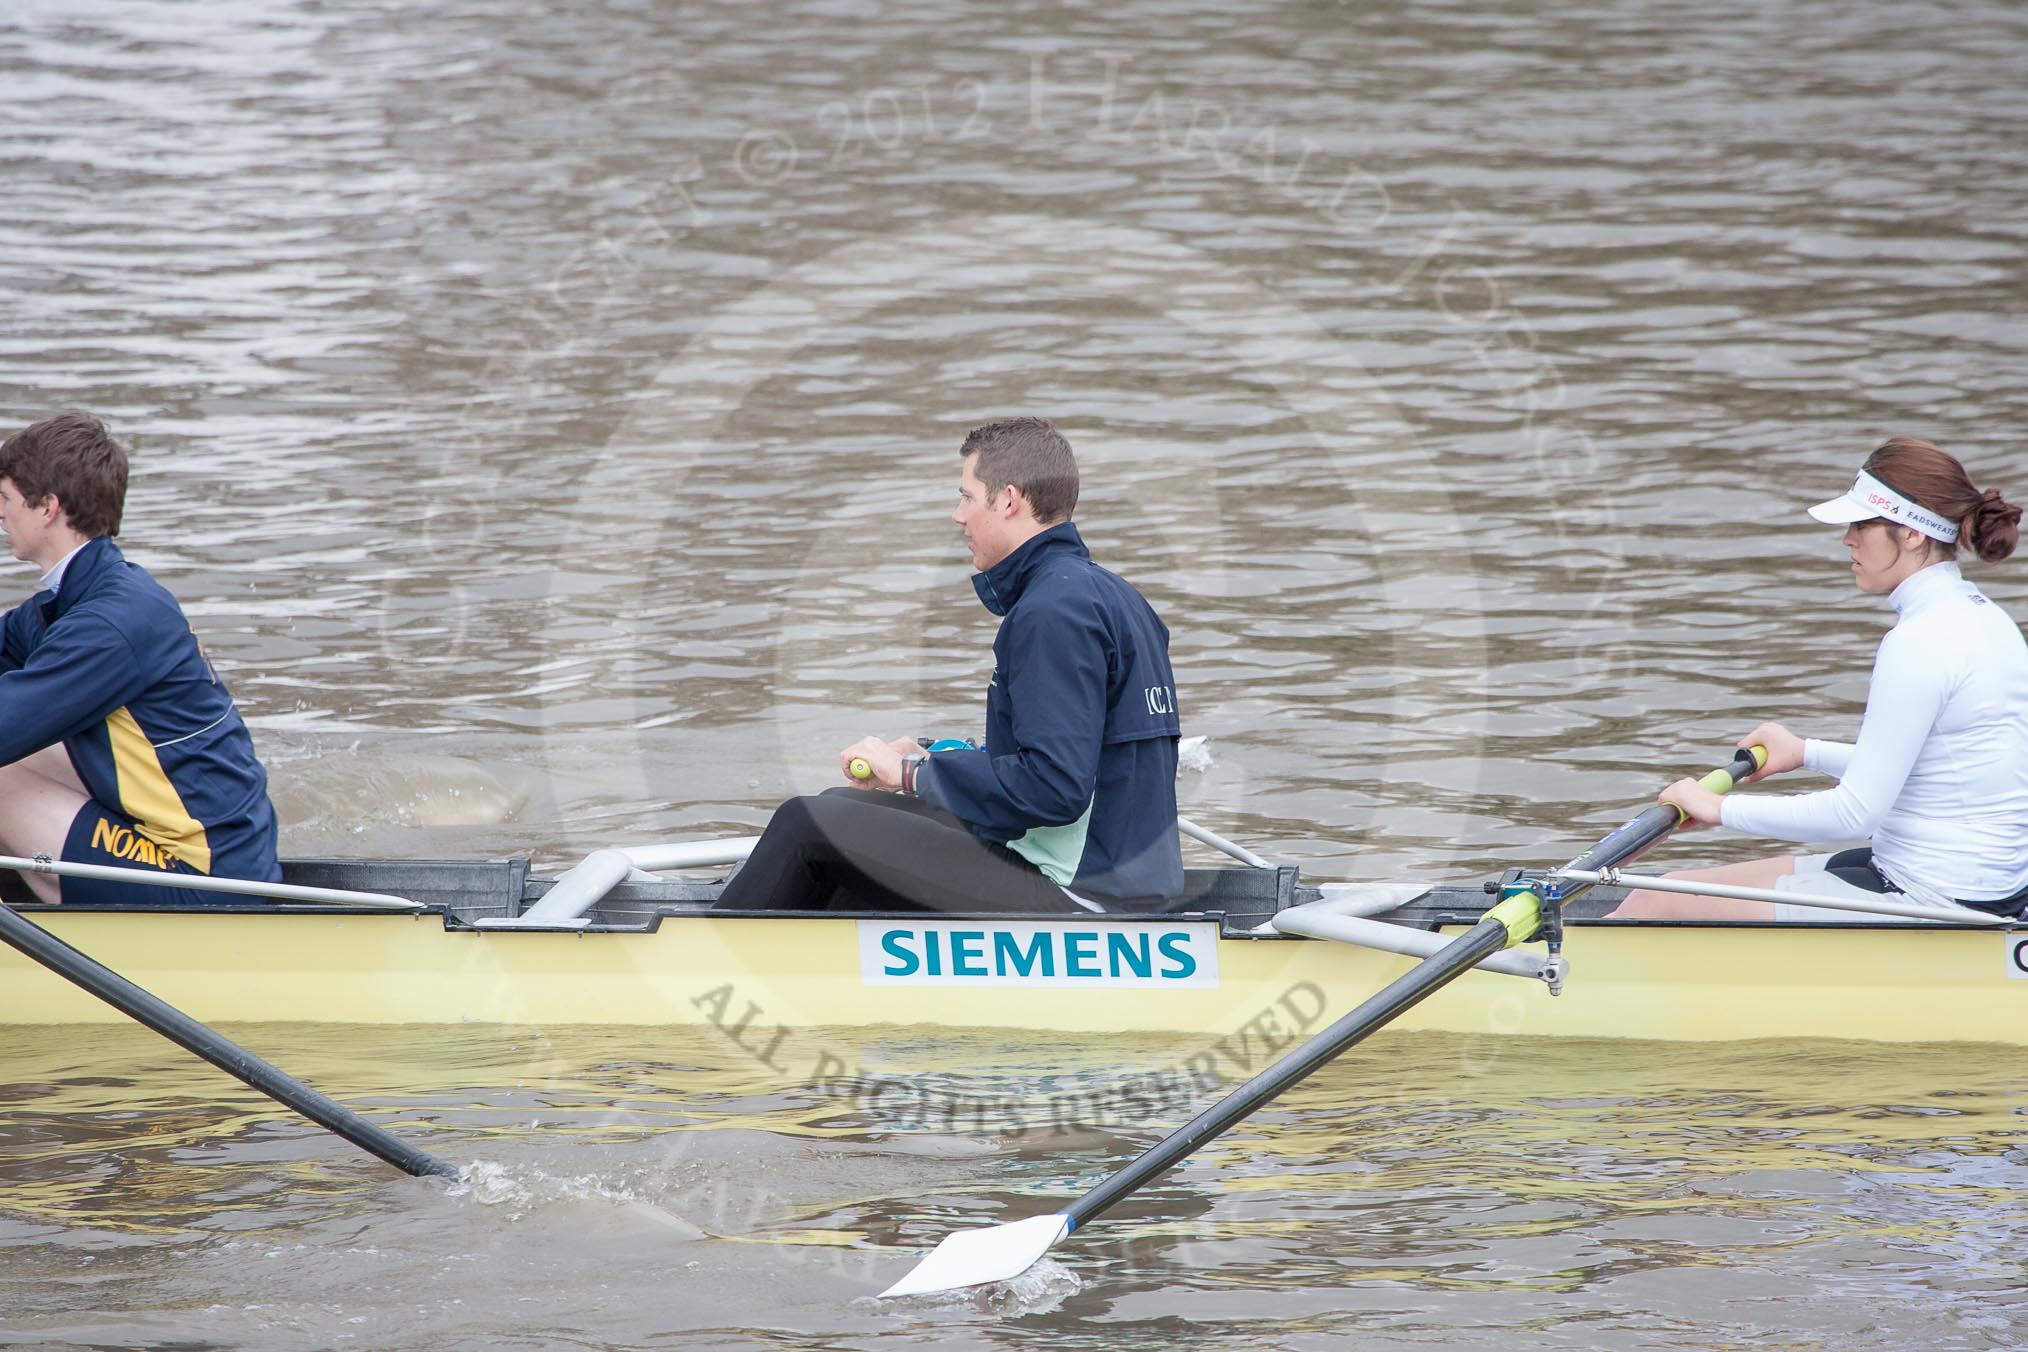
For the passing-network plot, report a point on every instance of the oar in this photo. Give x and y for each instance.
(235, 1060)
(1638, 836)
(999, 1252)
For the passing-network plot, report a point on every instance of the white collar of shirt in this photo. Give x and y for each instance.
(53, 579)
(1926, 585)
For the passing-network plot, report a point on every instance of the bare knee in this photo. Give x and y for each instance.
(36, 814)
(53, 764)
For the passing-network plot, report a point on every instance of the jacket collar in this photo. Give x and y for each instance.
(85, 568)
(1000, 586)
(53, 579)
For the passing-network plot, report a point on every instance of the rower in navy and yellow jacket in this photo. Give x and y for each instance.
(119, 744)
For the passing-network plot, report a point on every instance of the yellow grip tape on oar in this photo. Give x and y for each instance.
(1721, 781)
(1520, 914)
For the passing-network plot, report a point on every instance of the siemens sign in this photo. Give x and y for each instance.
(1036, 953)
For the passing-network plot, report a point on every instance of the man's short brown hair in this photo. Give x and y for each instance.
(1032, 455)
(73, 456)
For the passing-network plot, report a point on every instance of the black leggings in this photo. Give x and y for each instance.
(859, 849)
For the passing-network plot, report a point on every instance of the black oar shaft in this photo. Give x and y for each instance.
(1432, 974)
(235, 1060)
(1629, 842)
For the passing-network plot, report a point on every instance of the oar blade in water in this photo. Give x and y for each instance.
(995, 1253)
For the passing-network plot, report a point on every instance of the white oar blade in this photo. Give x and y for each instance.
(974, 1257)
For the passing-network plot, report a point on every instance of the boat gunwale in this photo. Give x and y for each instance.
(641, 907)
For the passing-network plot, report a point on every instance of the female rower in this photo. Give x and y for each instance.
(1937, 784)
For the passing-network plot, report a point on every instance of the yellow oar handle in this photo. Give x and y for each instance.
(860, 768)
(1747, 760)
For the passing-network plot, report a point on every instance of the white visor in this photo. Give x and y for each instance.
(1870, 498)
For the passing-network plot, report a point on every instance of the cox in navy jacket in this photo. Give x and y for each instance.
(110, 668)
(1078, 774)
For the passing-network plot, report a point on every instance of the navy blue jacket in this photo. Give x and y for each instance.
(110, 668)
(1078, 774)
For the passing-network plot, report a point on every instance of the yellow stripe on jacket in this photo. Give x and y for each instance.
(149, 798)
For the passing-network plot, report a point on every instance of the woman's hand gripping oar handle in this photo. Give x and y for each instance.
(1551, 893)
(1748, 760)
(1638, 836)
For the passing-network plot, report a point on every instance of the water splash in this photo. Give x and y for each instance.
(1039, 1290)
(522, 1190)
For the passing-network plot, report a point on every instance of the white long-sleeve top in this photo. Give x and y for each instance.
(1938, 780)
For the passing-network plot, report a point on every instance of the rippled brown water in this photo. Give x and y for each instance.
(547, 415)
(1426, 1191)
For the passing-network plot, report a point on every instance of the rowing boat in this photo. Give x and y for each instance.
(1228, 963)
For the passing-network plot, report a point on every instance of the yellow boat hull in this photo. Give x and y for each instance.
(762, 979)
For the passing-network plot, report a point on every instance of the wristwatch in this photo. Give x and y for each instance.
(909, 766)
